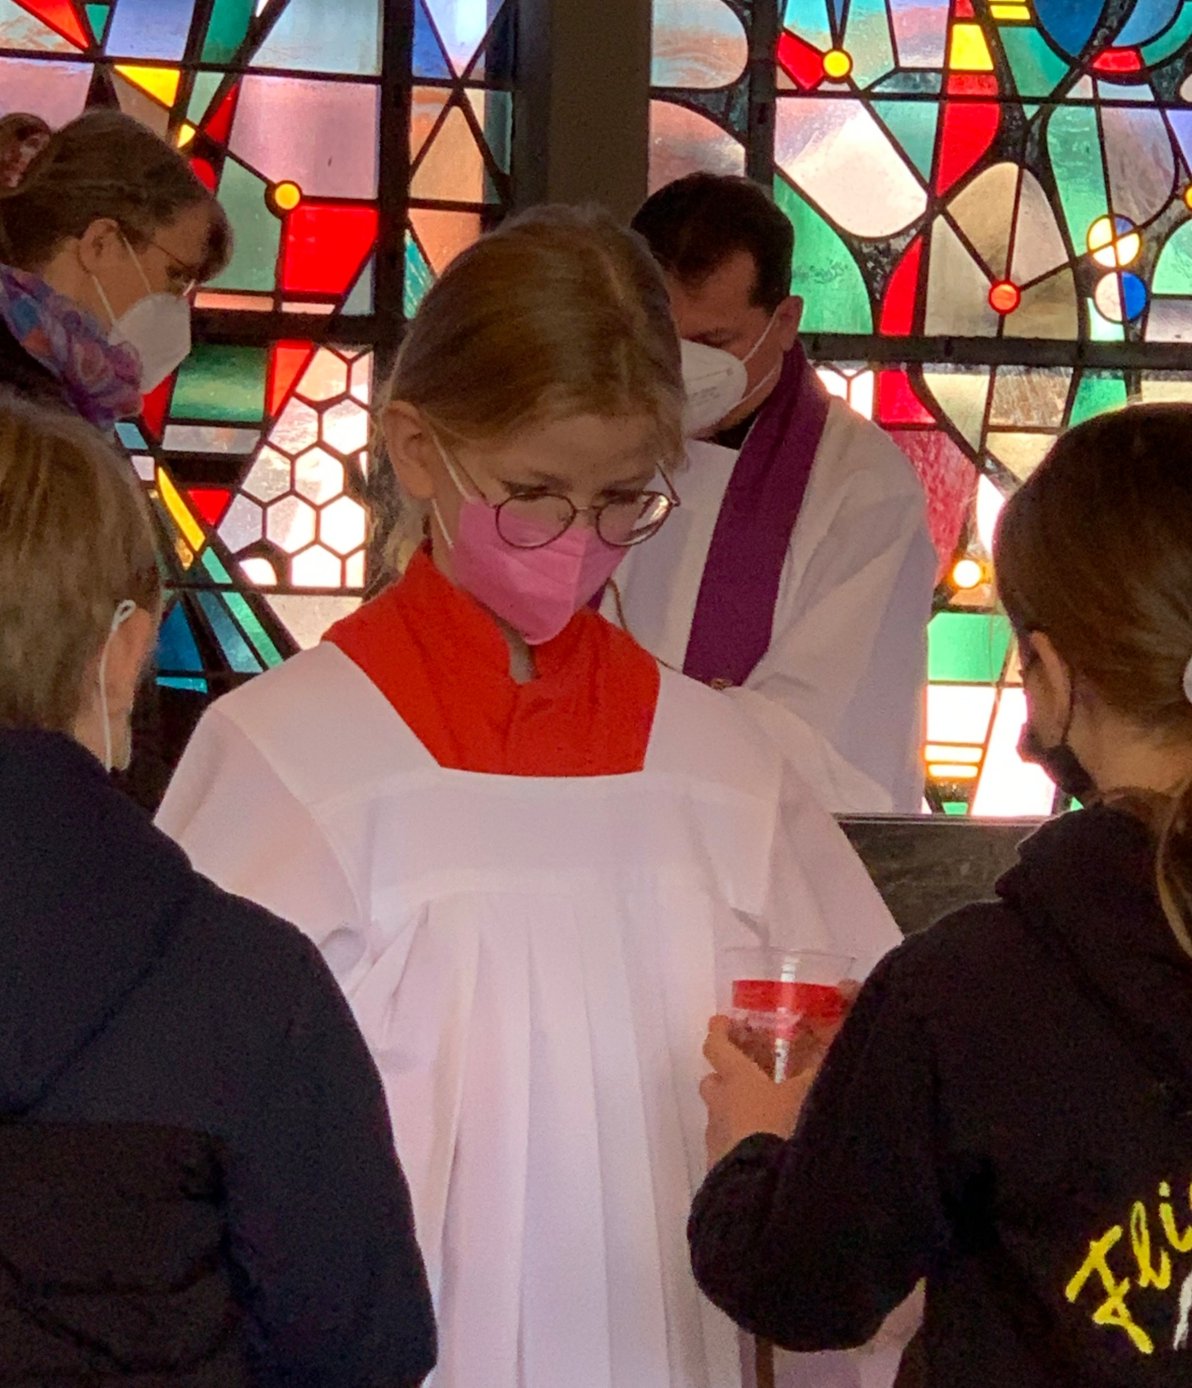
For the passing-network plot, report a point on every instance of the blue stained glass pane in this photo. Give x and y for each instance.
(1069, 26)
(1148, 18)
(129, 435)
(1133, 293)
(177, 649)
(150, 29)
(182, 682)
(429, 60)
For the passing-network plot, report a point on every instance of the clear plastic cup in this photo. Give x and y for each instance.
(780, 1001)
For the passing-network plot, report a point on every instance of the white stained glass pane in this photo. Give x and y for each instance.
(345, 427)
(243, 524)
(989, 507)
(297, 428)
(307, 618)
(290, 523)
(816, 139)
(697, 44)
(959, 712)
(316, 567)
(343, 525)
(271, 475)
(318, 476)
(259, 570)
(1010, 788)
(326, 378)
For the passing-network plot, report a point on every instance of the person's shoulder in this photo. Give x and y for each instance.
(857, 450)
(700, 731)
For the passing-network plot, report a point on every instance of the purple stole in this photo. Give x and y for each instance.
(734, 613)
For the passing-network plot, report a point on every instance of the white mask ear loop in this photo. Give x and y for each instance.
(748, 357)
(123, 612)
(102, 292)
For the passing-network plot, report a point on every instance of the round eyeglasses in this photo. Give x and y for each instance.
(538, 519)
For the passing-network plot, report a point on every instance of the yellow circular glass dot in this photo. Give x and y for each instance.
(837, 63)
(287, 196)
(967, 573)
(1188, 195)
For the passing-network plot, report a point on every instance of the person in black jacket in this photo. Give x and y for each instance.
(197, 1178)
(104, 231)
(1007, 1112)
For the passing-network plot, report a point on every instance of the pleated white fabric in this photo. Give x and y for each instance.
(533, 963)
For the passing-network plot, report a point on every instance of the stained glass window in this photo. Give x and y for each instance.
(992, 202)
(356, 145)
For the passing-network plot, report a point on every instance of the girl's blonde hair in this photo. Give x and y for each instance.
(75, 541)
(1095, 550)
(560, 312)
(104, 164)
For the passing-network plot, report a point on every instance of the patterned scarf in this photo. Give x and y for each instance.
(102, 379)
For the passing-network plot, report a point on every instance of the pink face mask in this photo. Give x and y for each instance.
(537, 591)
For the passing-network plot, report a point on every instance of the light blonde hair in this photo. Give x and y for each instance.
(1095, 550)
(560, 312)
(75, 541)
(104, 164)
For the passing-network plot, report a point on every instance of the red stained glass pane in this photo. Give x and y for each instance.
(1118, 60)
(898, 308)
(219, 127)
(287, 362)
(897, 402)
(968, 131)
(963, 9)
(61, 15)
(325, 247)
(803, 64)
(205, 173)
(950, 481)
(210, 502)
(155, 405)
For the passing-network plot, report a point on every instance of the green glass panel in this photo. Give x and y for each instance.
(222, 383)
(867, 40)
(258, 231)
(1037, 70)
(225, 33)
(320, 36)
(1101, 329)
(360, 300)
(241, 610)
(955, 807)
(1095, 395)
(967, 647)
(205, 86)
(825, 275)
(913, 124)
(419, 276)
(1172, 41)
(809, 19)
(1173, 273)
(232, 643)
(1074, 143)
(97, 17)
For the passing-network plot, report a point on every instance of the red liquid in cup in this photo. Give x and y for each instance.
(774, 1021)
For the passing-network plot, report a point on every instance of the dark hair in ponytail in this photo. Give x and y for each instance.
(1095, 549)
(104, 164)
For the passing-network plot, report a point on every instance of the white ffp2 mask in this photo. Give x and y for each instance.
(156, 327)
(716, 383)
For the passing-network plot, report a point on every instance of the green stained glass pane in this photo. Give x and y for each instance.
(913, 124)
(235, 648)
(967, 647)
(1074, 142)
(809, 19)
(225, 33)
(258, 231)
(269, 653)
(955, 807)
(318, 36)
(826, 275)
(1173, 274)
(206, 84)
(1037, 70)
(222, 383)
(1100, 327)
(419, 277)
(867, 39)
(360, 300)
(1095, 395)
(97, 17)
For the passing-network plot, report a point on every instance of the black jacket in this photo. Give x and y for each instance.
(1008, 1113)
(197, 1179)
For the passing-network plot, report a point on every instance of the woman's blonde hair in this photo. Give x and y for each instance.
(104, 164)
(1095, 550)
(75, 542)
(560, 312)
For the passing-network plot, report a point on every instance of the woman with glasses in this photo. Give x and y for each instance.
(518, 841)
(104, 232)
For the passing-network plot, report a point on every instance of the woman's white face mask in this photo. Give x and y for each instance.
(156, 327)
(717, 383)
